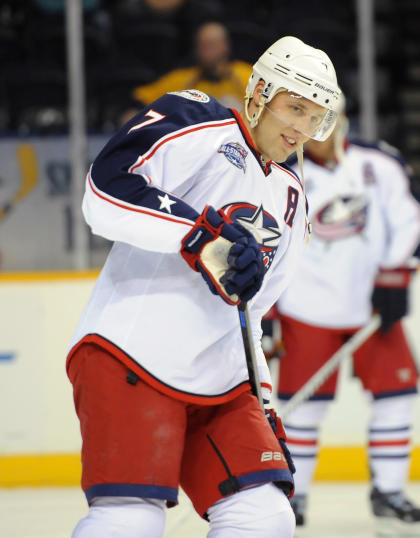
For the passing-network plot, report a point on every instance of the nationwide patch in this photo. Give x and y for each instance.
(235, 154)
(193, 95)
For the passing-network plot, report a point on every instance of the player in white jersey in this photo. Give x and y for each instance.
(366, 228)
(203, 217)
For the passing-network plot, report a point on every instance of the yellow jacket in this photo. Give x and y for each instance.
(230, 90)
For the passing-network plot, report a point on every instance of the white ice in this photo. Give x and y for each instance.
(336, 510)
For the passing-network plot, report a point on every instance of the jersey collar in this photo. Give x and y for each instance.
(265, 166)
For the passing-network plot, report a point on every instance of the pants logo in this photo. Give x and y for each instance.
(272, 456)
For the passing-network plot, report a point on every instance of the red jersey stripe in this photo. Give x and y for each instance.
(199, 128)
(290, 174)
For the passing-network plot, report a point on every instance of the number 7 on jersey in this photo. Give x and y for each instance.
(154, 117)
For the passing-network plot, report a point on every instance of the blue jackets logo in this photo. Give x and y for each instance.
(260, 223)
(235, 154)
(344, 216)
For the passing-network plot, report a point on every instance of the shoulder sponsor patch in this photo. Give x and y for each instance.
(193, 95)
(235, 154)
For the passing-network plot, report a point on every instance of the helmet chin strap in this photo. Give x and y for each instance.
(340, 132)
(299, 153)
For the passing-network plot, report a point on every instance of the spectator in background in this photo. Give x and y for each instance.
(164, 5)
(214, 72)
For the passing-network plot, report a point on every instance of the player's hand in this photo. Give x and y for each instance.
(271, 342)
(390, 296)
(278, 430)
(227, 256)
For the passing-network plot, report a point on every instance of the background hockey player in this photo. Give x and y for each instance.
(202, 218)
(366, 227)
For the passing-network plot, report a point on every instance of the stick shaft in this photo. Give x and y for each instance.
(251, 360)
(328, 368)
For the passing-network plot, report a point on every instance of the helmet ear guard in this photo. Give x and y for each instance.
(254, 119)
(265, 97)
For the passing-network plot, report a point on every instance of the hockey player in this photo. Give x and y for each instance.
(366, 227)
(202, 218)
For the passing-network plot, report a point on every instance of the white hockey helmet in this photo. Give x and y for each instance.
(289, 64)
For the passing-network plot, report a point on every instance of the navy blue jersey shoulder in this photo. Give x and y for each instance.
(168, 114)
(291, 160)
(181, 112)
(177, 113)
(382, 147)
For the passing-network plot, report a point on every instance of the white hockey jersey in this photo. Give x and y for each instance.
(364, 218)
(144, 191)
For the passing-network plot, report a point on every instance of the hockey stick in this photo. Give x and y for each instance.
(251, 360)
(328, 368)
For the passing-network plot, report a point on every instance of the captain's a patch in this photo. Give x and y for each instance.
(235, 154)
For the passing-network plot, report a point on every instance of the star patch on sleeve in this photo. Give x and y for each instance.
(166, 202)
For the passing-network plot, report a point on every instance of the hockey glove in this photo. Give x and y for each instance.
(277, 427)
(272, 345)
(390, 296)
(227, 256)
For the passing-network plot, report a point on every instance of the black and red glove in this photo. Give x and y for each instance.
(272, 344)
(278, 429)
(390, 295)
(226, 254)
